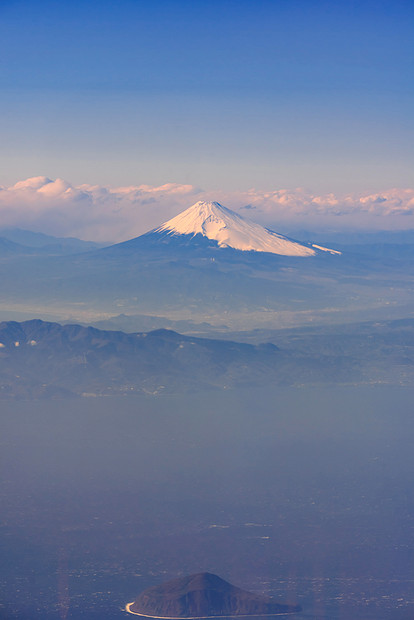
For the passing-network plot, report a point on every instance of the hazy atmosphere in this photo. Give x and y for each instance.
(206, 310)
(136, 110)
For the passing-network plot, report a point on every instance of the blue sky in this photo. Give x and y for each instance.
(221, 95)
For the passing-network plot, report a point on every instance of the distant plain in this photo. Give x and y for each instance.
(304, 494)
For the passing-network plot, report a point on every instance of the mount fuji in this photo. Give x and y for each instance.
(207, 264)
(215, 225)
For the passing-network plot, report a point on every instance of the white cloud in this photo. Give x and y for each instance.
(105, 213)
(90, 211)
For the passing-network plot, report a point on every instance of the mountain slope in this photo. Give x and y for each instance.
(204, 595)
(28, 241)
(11, 248)
(229, 230)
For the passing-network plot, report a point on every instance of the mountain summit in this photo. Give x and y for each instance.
(230, 230)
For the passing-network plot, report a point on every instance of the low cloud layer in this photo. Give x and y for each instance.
(114, 214)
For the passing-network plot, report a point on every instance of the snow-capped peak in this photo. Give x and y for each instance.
(229, 229)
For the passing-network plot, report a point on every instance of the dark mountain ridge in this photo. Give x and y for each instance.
(39, 358)
(44, 359)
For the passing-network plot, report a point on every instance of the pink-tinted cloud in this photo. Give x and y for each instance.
(392, 209)
(90, 211)
(105, 213)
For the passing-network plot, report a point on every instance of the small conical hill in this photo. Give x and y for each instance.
(203, 595)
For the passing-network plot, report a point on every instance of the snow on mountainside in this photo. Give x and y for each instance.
(229, 229)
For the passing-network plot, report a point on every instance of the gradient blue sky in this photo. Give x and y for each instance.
(220, 94)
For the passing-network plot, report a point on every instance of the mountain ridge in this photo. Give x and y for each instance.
(43, 359)
(22, 241)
